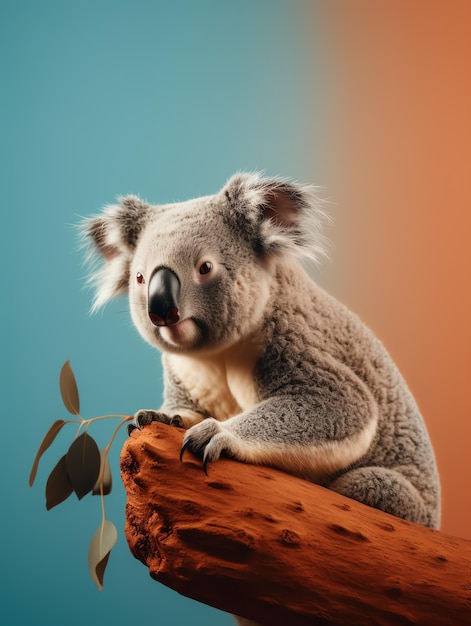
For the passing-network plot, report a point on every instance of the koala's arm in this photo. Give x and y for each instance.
(177, 409)
(311, 429)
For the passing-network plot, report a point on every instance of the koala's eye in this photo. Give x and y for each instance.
(206, 267)
(140, 278)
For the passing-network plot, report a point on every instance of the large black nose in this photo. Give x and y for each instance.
(164, 290)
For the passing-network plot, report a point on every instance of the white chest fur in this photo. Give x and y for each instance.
(222, 384)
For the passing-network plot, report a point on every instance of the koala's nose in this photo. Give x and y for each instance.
(163, 293)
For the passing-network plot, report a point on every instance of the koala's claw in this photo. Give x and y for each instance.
(205, 464)
(177, 421)
(147, 416)
(187, 446)
(184, 447)
(206, 440)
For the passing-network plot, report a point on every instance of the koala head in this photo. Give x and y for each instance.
(198, 273)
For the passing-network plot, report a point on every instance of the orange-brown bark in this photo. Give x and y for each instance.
(260, 543)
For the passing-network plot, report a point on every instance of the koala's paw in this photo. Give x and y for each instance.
(207, 440)
(147, 416)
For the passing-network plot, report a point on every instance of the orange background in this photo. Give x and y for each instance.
(399, 174)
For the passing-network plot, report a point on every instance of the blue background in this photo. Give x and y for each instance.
(162, 99)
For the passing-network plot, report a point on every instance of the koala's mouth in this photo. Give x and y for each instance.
(183, 333)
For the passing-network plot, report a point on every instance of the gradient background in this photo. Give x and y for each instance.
(167, 100)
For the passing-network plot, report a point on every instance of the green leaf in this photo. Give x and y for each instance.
(83, 464)
(45, 443)
(58, 487)
(99, 550)
(105, 475)
(69, 391)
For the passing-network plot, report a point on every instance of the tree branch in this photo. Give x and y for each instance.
(265, 545)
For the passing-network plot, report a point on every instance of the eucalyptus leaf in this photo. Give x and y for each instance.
(102, 542)
(58, 487)
(45, 443)
(83, 464)
(68, 388)
(104, 475)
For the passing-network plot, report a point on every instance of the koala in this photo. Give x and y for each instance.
(260, 363)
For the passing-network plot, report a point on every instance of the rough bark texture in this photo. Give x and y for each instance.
(259, 543)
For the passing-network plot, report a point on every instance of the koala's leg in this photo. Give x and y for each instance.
(384, 489)
(178, 408)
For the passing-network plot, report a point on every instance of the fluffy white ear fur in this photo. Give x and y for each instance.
(290, 216)
(112, 236)
(109, 281)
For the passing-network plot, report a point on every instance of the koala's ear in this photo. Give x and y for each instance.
(113, 236)
(280, 216)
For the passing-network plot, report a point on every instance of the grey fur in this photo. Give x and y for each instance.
(264, 364)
